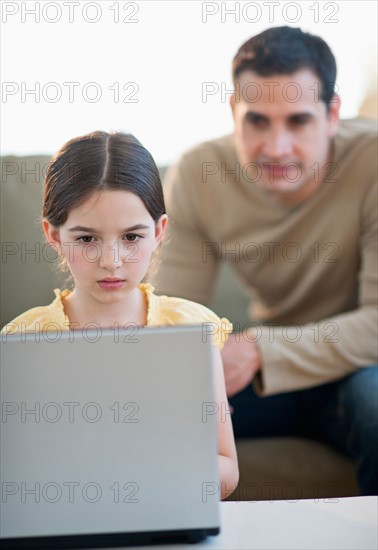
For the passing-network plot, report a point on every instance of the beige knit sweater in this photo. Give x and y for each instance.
(310, 268)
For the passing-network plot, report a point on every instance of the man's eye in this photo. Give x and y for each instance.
(256, 120)
(300, 120)
(86, 239)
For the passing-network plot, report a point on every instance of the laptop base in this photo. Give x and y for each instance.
(110, 540)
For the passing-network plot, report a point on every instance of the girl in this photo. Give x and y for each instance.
(104, 212)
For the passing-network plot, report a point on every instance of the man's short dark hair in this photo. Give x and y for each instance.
(284, 50)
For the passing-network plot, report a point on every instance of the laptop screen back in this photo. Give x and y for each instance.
(108, 433)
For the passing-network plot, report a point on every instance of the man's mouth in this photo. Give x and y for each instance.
(281, 171)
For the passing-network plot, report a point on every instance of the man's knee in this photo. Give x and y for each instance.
(360, 403)
(361, 390)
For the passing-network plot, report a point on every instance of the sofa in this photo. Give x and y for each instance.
(270, 468)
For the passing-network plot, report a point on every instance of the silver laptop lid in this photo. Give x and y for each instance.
(108, 432)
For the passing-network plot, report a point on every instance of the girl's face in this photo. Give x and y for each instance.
(107, 243)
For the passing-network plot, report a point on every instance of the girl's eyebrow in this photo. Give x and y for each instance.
(92, 230)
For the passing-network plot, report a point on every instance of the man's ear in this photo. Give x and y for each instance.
(232, 104)
(52, 234)
(160, 227)
(334, 115)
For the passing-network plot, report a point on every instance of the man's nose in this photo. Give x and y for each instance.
(277, 144)
(111, 256)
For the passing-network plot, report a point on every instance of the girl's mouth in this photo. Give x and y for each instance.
(111, 284)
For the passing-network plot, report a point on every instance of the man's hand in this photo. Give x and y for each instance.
(241, 361)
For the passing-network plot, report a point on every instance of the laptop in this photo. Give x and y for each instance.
(108, 438)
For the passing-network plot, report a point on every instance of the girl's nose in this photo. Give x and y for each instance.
(111, 257)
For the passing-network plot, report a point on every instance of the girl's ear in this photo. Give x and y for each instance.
(160, 227)
(52, 233)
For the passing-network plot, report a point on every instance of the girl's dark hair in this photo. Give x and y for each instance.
(284, 50)
(100, 161)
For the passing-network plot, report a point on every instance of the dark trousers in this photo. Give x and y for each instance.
(343, 414)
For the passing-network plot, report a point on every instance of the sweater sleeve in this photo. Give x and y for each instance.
(184, 266)
(299, 357)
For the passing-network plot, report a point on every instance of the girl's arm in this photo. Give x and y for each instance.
(228, 461)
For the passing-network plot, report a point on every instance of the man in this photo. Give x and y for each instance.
(290, 199)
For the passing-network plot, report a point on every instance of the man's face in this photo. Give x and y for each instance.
(283, 132)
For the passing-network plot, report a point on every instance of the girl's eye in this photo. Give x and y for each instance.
(131, 237)
(86, 239)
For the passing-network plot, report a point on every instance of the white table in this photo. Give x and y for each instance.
(344, 524)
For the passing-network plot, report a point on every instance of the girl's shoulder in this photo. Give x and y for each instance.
(169, 310)
(42, 318)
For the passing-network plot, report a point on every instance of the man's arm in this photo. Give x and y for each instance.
(182, 267)
(283, 358)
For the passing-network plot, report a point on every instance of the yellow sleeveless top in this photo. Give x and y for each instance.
(161, 311)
